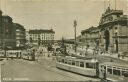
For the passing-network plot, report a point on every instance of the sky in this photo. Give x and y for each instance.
(59, 14)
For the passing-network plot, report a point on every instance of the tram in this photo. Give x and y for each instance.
(110, 71)
(87, 67)
(13, 54)
(113, 71)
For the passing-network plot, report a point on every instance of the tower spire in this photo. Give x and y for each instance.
(109, 3)
(115, 4)
(104, 5)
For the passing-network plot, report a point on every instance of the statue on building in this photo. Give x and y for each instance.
(107, 40)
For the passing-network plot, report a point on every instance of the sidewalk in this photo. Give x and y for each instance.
(112, 55)
(1, 63)
(116, 56)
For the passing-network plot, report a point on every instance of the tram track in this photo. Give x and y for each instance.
(48, 68)
(53, 69)
(49, 65)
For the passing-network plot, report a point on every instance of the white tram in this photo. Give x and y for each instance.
(13, 53)
(85, 67)
(115, 72)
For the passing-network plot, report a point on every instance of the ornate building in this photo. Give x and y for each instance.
(20, 36)
(90, 36)
(41, 37)
(117, 25)
(111, 34)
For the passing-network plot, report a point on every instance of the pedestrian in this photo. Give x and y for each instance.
(118, 55)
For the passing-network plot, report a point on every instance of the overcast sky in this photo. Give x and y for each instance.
(58, 14)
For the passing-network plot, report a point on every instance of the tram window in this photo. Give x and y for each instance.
(77, 63)
(109, 70)
(73, 62)
(81, 64)
(89, 65)
(69, 62)
(59, 60)
(65, 61)
(62, 60)
(94, 66)
(116, 72)
(125, 72)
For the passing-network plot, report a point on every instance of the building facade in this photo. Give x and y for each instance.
(117, 25)
(41, 36)
(90, 36)
(20, 36)
(10, 33)
(111, 33)
(7, 32)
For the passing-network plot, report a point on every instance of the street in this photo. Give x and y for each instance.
(42, 70)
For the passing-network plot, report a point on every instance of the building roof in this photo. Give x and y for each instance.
(18, 26)
(39, 31)
(7, 17)
(123, 65)
(111, 11)
(69, 41)
(89, 30)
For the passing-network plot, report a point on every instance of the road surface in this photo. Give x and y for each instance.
(42, 70)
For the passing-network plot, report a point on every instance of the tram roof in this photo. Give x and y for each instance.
(121, 64)
(80, 58)
(14, 51)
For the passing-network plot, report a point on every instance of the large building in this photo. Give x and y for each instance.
(20, 36)
(7, 32)
(116, 23)
(90, 36)
(111, 33)
(41, 36)
(12, 35)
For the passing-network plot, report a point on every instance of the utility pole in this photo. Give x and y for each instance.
(75, 24)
